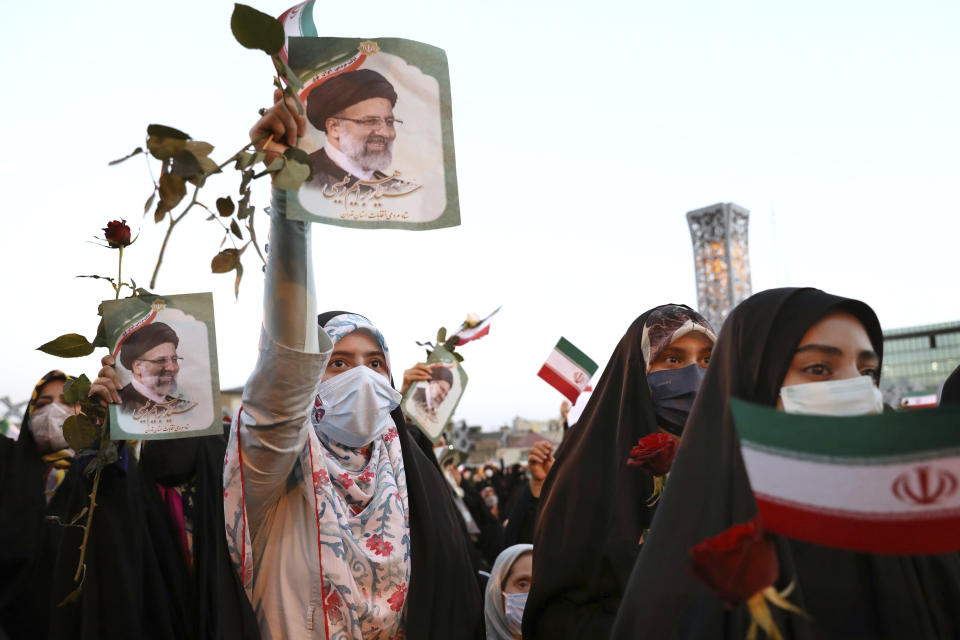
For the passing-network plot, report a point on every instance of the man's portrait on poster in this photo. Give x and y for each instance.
(166, 362)
(374, 137)
(433, 401)
(150, 354)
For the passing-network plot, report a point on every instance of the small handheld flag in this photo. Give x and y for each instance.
(887, 483)
(568, 369)
(473, 328)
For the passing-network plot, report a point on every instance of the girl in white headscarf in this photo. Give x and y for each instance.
(507, 592)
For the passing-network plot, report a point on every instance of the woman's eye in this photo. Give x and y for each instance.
(337, 363)
(672, 360)
(705, 359)
(816, 369)
(375, 364)
(873, 373)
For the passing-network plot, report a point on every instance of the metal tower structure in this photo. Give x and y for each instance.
(721, 259)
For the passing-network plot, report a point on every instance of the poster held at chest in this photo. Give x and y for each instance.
(379, 130)
(430, 404)
(166, 357)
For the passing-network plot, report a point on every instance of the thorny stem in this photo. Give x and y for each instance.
(193, 201)
(86, 529)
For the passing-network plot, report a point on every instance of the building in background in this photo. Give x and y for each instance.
(721, 259)
(916, 361)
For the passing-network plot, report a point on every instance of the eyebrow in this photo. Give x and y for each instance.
(866, 354)
(822, 348)
(368, 354)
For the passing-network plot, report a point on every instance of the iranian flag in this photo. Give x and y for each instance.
(568, 369)
(473, 328)
(887, 483)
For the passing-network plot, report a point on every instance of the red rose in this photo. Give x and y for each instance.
(117, 233)
(654, 453)
(737, 564)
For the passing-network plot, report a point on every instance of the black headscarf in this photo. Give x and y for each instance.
(593, 506)
(950, 391)
(27, 540)
(443, 599)
(847, 595)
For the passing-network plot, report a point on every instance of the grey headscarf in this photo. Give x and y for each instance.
(496, 617)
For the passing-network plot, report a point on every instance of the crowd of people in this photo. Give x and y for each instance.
(321, 513)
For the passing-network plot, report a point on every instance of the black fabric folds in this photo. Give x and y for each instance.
(593, 507)
(444, 598)
(846, 594)
(26, 539)
(137, 583)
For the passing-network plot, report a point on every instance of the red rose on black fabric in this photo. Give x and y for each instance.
(117, 233)
(654, 453)
(737, 564)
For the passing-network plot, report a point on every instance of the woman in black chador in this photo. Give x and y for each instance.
(774, 340)
(594, 505)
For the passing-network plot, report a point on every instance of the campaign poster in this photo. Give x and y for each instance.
(379, 130)
(430, 404)
(166, 358)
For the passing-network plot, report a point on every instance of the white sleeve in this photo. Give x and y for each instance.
(293, 355)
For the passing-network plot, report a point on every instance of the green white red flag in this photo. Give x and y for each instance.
(473, 328)
(887, 483)
(568, 369)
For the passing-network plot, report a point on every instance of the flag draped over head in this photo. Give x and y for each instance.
(568, 369)
(886, 483)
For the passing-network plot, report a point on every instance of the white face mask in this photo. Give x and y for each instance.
(851, 397)
(353, 408)
(46, 424)
(513, 604)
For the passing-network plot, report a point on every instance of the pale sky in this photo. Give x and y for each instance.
(585, 131)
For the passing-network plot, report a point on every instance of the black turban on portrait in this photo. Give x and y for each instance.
(345, 90)
(142, 340)
(441, 373)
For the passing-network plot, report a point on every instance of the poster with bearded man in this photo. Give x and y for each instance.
(166, 359)
(379, 130)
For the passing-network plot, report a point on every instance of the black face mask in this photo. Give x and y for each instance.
(673, 392)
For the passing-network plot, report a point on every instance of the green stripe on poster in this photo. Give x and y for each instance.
(576, 356)
(892, 434)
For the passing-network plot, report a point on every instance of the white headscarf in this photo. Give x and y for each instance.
(496, 617)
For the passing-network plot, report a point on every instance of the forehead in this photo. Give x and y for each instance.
(692, 341)
(839, 329)
(522, 566)
(369, 107)
(160, 351)
(357, 342)
(52, 389)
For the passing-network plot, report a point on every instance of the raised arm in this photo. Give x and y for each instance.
(293, 352)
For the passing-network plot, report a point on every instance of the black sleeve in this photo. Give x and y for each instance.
(522, 519)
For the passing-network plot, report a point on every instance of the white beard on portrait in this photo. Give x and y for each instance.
(160, 385)
(367, 159)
